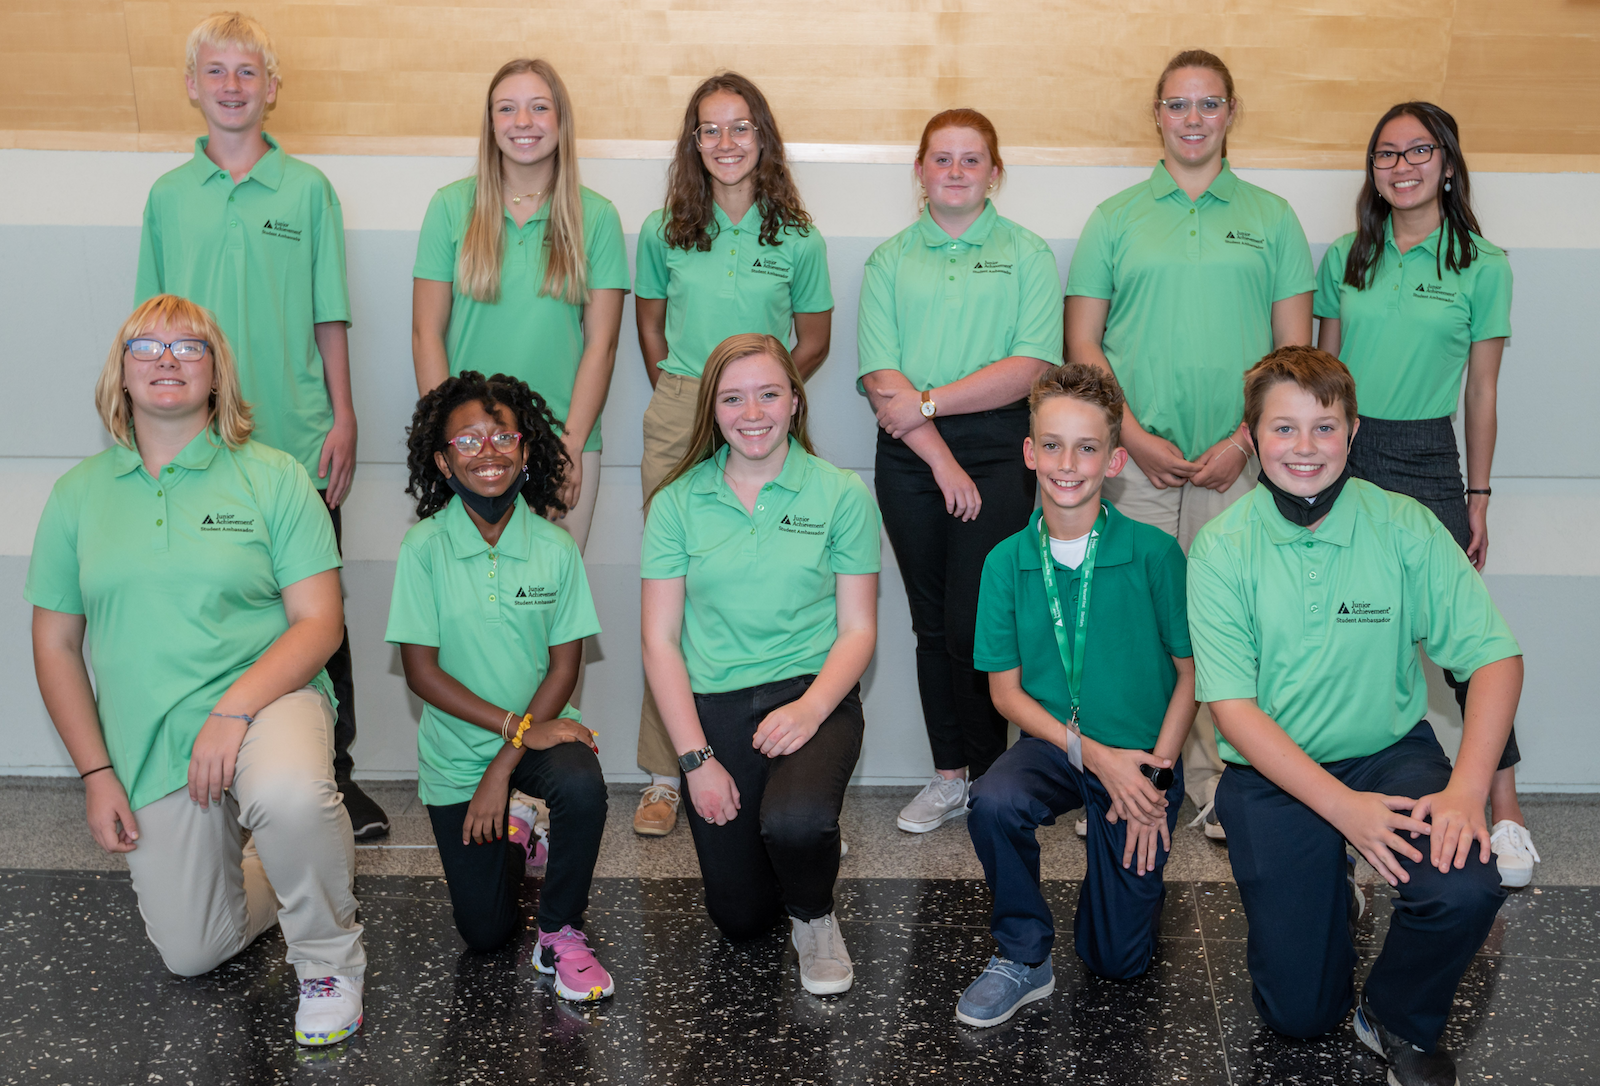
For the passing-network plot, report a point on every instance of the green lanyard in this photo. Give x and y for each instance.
(1071, 661)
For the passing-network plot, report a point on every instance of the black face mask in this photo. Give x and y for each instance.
(492, 510)
(1306, 511)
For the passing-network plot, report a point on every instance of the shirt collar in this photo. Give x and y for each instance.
(467, 542)
(195, 456)
(720, 217)
(1429, 244)
(268, 169)
(1116, 542)
(1222, 186)
(708, 474)
(1336, 528)
(934, 236)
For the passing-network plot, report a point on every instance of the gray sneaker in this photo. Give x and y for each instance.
(939, 801)
(1001, 989)
(825, 967)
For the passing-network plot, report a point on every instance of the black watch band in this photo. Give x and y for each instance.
(695, 759)
(1160, 778)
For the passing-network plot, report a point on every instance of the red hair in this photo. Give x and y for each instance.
(964, 118)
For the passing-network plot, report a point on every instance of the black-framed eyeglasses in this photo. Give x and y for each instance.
(742, 133)
(148, 349)
(1209, 106)
(1388, 160)
(472, 444)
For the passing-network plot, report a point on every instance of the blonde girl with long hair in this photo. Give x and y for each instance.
(521, 270)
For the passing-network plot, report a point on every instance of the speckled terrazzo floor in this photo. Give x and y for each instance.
(88, 1002)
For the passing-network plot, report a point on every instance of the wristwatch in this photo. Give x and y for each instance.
(1160, 778)
(929, 408)
(695, 759)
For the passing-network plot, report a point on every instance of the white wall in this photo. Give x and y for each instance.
(69, 232)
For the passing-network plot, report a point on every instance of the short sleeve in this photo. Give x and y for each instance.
(1169, 593)
(650, 275)
(575, 616)
(413, 611)
(604, 248)
(1461, 628)
(1328, 302)
(148, 281)
(995, 645)
(330, 294)
(53, 579)
(1090, 275)
(1491, 298)
(853, 538)
(1294, 273)
(1227, 658)
(301, 531)
(437, 244)
(877, 328)
(810, 290)
(1039, 311)
(664, 554)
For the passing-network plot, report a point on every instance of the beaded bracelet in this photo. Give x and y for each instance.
(246, 717)
(505, 726)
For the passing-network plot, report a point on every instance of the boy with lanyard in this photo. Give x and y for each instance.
(257, 237)
(1308, 601)
(1105, 716)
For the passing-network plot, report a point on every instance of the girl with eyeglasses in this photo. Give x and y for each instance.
(1411, 300)
(199, 568)
(732, 252)
(1178, 285)
(490, 610)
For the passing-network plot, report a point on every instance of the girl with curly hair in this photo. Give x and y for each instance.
(490, 610)
(733, 251)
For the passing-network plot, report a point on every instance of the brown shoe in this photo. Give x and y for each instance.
(658, 811)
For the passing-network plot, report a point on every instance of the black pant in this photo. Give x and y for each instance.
(1419, 458)
(1291, 869)
(484, 880)
(781, 852)
(941, 562)
(341, 675)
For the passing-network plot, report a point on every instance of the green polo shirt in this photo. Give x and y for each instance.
(179, 579)
(759, 586)
(266, 256)
(526, 334)
(1322, 628)
(493, 613)
(738, 286)
(1406, 336)
(938, 308)
(1137, 624)
(1191, 285)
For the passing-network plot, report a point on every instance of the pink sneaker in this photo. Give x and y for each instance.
(525, 837)
(579, 976)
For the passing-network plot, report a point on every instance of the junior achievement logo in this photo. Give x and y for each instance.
(1433, 293)
(277, 228)
(227, 522)
(1245, 238)
(991, 267)
(1363, 611)
(795, 524)
(766, 265)
(534, 595)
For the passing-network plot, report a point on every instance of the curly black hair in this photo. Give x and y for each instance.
(547, 457)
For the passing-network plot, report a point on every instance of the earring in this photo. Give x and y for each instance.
(1447, 184)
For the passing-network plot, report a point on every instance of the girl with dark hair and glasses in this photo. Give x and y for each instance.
(732, 252)
(1410, 300)
(490, 610)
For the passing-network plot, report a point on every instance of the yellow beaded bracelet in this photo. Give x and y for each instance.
(527, 722)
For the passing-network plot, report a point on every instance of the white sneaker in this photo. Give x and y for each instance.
(330, 1010)
(825, 967)
(1207, 821)
(844, 848)
(939, 801)
(1082, 827)
(1513, 848)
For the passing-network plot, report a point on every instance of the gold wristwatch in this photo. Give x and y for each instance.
(929, 408)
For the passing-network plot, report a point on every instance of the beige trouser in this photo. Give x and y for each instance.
(204, 897)
(1181, 512)
(580, 517)
(668, 422)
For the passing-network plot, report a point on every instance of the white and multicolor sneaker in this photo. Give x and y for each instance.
(330, 1010)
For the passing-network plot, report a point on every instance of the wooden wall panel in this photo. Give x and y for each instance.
(1069, 79)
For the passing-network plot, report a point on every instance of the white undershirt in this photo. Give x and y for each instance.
(1070, 552)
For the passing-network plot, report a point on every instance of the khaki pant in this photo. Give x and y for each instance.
(205, 897)
(580, 518)
(1181, 512)
(668, 422)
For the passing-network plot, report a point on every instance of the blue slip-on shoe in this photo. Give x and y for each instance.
(1002, 988)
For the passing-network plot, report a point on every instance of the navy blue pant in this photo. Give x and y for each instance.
(1291, 870)
(485, 880)
(1118, 910)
